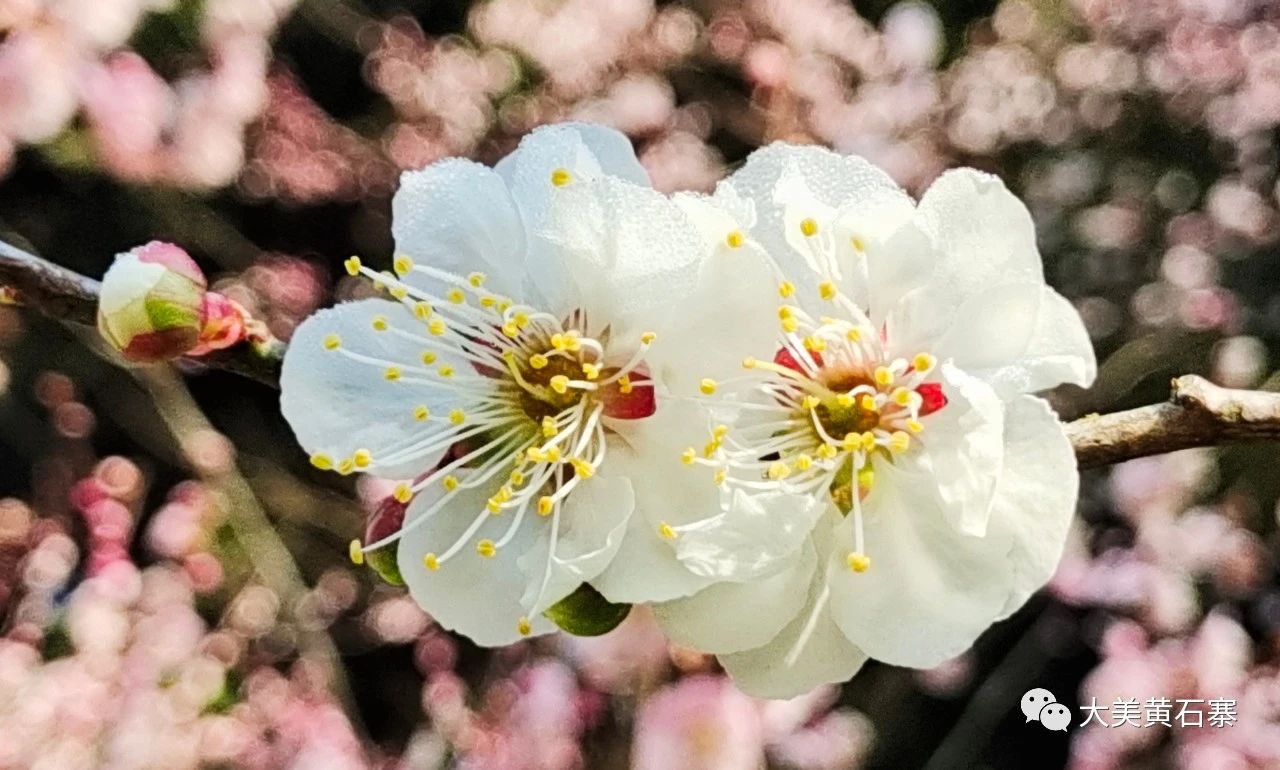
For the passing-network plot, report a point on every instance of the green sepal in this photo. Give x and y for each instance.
(383, 561)
(586, 613)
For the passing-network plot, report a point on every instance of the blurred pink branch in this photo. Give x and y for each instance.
(1198, 413)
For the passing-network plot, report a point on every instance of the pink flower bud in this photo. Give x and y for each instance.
(152, 303)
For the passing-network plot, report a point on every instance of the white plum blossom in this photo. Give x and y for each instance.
(895, 391)
(523, 375)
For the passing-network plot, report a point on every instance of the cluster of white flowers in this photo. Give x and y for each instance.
(792, 416)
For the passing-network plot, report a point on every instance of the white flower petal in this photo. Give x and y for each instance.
(809, 652)
(337, 405)
(730, 617)
(458, 216)
(593, 521)
(476, 596)
(930, 590)
(630, 250)
(1036, 496)
(756, 535)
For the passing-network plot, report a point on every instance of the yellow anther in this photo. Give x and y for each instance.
(322, 461)
(667, 532)
(456, 296)
(582, 468)
(380, 323)
(827, 290)
(710, 449)
(504, 305)
(624, 385)
(533, 455)
(457, 416)
(868, 403)
(858, 243)
(809, 227)
(809, 403)
(428, 358)
(552, 455)
(488, 301)
(851, 441)
(403, 493)
(647, 338)
(450, 483)
(545, 506)
(437, 327)
(352, 264)
(421, 413)
(399, 292)
(789, 325)
(899, 441)
(332, 342)
(866, 477)
(914, 425)
(853, 335)
(827, 451)
(735, 239)
(846, 400)
(561, 177)
(868, 441)
(391, 374)
(560, 384)
(749, 363)
(802, 463)
(486, 548)
(720, 476)
(901, 396)
(510, 329)
(858, 562)
(346, 466)
(720, 431)
(517, 478)
(356, 552)
(591, 371)
(402, 265)
(494, 506)
(786, 289)
(422, 311)
(431, 562)
(362, 458)
(785, 312)
(538, 361)
(445, 371)
(549, 428)
(559, 342)
(815, 344)
(521, 320)
(707, 386)
(688, 456)
(779, 470)
(476, 279)
(923, 362)
(524, 627)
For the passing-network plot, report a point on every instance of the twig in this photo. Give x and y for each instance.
(1198, 414)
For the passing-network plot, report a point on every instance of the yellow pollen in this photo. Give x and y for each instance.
(332, 342)
(549, 428)
(510, 329)
(402, 265)
(428, 358)
(322, 461)
(524, 627)
(391, 374)
(346, 466)
(456, 296)
(624, 385)
(923, 362)
(809, 403)
(779, 470)
(561, 177)
(866, 477)
(559, 342)
(827, 290)
(846, 400)
(667, 532)
(538, 361)
(803, 463)
(915, 426)
(853, 335)
(858, 562)
(858, 243)
(560, 384)
(403, 493)
(720, 476)
(749, 363)
(584, 469)
(901, 397)
(486, 548)
(827, 451)
(884, 376)
(421, 413)
(786, 289)
(352, 265)
(851, 441)
(355, 552)
(711, 448)
(521, 320)
(545, 504)
(457, 416)
(720, 431)
(488, 301)
(592, 371)
(422, 311)
(431, 562)
(476, 279)
(899, 441)
(445, 371)
(647, 338)
(688, 456)
(494, 505)
(399, 292)
(517, 478)
(707, 386)
(552, 455)
(868, 441)
(809, 227)
(735, 239)
(533, 454)
(380, 323)
(789, 325)
(815, 344)
(437, 327)
(868, 403)
(785, 312)
(450, 483)
(362, 458)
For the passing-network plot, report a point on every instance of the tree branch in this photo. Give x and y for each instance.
(1198, 413)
